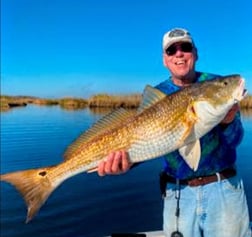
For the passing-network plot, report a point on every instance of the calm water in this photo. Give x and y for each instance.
(85, 205)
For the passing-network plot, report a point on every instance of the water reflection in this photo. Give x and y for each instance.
(86, 205)
(246, 112)
(100, 110)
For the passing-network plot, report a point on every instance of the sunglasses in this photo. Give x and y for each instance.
(184, 47)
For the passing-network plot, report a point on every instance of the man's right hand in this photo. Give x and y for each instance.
(116, 163)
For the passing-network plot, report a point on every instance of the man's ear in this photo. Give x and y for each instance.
(164, 60)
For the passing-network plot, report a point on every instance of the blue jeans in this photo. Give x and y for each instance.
(217, 209)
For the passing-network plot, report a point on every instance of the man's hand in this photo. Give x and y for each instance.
(231, 114)
(116, 163)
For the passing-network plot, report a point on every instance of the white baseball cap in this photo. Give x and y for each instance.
(176, 35)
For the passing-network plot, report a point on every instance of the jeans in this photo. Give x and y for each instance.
(217, 209)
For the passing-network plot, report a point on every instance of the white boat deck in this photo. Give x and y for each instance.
(154, 234)
(140, 234)
(147, 234)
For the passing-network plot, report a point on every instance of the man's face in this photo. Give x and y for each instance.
(180, 59)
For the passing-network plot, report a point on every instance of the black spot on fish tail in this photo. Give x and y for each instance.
(42, 173)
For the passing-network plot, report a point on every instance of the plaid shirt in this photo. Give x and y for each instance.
(218, 147)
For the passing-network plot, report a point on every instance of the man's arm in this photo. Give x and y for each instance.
(231, 126)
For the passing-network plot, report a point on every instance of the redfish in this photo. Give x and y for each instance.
(161, 125)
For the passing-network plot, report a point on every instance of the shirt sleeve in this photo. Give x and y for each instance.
(232, 133)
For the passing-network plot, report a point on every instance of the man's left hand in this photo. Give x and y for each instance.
(231, 114)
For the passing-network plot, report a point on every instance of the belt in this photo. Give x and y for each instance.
(202, 180)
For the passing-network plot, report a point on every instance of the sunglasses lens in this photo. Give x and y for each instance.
(171, 50)
(184, 47)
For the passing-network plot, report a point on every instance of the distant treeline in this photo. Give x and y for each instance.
(96, 101)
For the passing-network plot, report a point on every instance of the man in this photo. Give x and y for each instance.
(211, 201)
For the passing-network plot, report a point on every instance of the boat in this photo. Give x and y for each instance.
(140, 234)
(158, 233)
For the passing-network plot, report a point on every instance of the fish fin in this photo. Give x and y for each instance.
(151, 96)
(33, 185)
(189, 121)
(191, 154)
(191, 115)
(103, 125)
(95, 169)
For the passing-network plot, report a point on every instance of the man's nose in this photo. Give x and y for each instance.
(179, 52)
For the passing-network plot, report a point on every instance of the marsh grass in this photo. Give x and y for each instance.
(39, 101)
(246, 103)
(73, 103)
(130, 101)
(115, 101)
(8, 102)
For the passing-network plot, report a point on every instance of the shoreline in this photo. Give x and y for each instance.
(97, 101)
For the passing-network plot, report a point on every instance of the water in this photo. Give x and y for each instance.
(85, 205)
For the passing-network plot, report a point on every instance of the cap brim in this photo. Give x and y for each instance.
(176, 41)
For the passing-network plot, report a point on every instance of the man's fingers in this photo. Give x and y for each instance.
(108, 163)
(116, 163)
(101, 168)
(125, 162)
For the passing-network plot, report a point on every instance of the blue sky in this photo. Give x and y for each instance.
(57, 48)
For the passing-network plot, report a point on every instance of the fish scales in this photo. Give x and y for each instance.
(154, 139)
(125, 136)
(162, 124)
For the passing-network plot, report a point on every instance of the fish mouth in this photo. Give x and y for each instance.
(241, 91)
(245, 92)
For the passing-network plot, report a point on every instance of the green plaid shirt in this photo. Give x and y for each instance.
(218, 147)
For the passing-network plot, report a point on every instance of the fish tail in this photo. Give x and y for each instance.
(34, 185)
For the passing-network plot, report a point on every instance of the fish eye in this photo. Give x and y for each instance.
(225, 83)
